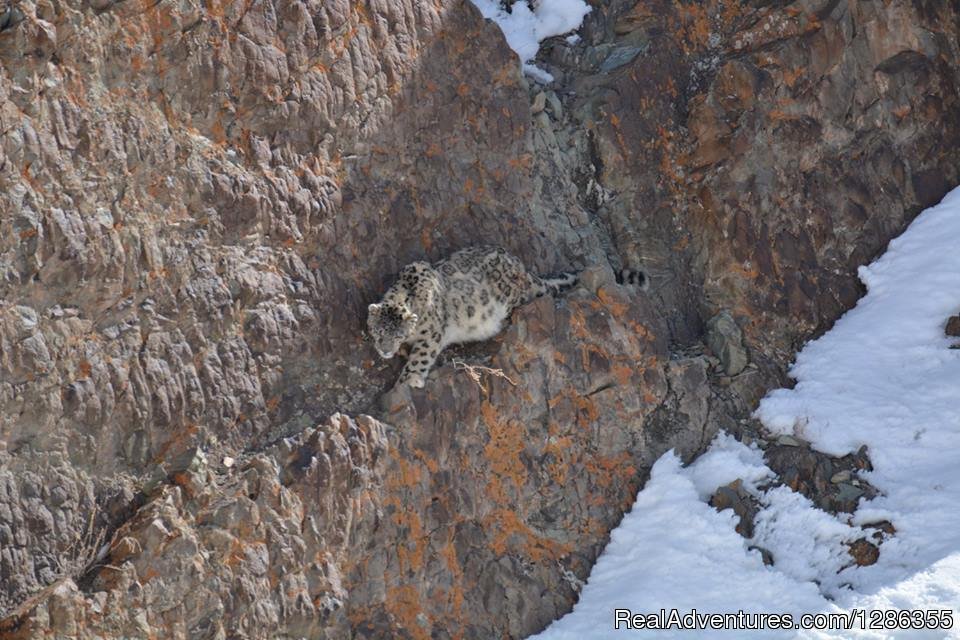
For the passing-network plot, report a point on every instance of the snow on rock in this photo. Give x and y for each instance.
(675, 551)
(525, 28)
(884, 376)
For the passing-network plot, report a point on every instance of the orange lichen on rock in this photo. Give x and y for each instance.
(502, 453)
(412, 544)
(611, 302)
(512, 535)
(403, 603)
(455, 594)
(694, 25)
(622, 372)
(558, 448)
(606, 469)
(408, 475)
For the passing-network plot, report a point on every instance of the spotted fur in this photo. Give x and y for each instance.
(464, 298)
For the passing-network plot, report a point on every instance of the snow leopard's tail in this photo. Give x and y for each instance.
(558, 284)
(634, 277)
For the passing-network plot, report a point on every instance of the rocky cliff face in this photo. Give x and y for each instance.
(200, 198)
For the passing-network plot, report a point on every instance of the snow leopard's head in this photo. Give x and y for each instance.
(390, 326)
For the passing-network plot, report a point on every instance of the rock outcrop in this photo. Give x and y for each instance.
(200, 198)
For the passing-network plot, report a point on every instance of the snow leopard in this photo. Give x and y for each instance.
(464, 298)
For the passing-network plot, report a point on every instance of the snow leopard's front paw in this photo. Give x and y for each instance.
(413, 380)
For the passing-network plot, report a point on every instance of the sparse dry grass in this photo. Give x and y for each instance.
(477, 371)
(77, 560)
(85, 550)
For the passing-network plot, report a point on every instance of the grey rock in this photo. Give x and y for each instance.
(790, 441)
(554, 106)
(619, 57)
(841, 476)
(826, 480)
(726, 341)
(539, 103)
(596, 276)
(10, 16)
(848, 492)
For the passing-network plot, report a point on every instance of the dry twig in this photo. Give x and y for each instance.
(476, 371)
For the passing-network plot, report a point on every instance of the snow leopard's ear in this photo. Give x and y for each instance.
(374, 309)
(410, 319)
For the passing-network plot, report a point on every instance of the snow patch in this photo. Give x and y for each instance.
(673, 550)
(525, 28)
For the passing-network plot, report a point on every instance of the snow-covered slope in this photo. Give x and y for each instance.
(884, 376)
